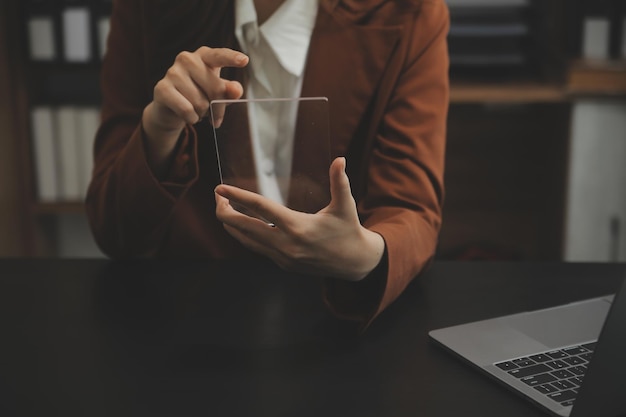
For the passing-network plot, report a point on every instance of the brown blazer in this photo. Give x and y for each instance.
(383, 66)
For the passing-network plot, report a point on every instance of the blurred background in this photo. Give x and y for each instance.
(536, 132)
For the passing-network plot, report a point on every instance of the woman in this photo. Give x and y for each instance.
(383, 66)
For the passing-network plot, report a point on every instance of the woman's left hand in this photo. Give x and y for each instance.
(331, 242)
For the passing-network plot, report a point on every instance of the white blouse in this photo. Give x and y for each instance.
(277, 50)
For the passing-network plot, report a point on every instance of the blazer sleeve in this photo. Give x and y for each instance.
(404, 193)
(127, 206)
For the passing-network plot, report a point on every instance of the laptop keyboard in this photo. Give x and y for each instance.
(557, 374)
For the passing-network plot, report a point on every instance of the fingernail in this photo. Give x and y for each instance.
(241, 59)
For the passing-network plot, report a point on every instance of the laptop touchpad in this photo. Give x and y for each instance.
(565, 325)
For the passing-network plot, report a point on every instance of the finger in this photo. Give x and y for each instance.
(270, 251)
(238, 217)
(196, 96)
(250, 243)
(209, 80)
(169, 96)
(232, 91)
(260, 206)
(191, 78)
(341, 198)
(204, 67)
(222, 57)
(214, 88)
(255, 234)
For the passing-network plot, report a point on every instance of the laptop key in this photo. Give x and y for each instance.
(578, 370)
(576, 350)
(576, 381)
(586, 356)
(545, 389)
(562, 374)
(557, 364)
(556, 354)
(562, 396)
(523, 362)
(540, 358)
(538, 379)
(530, 370)
(590, 346)
(574, 360)
(567, 403)
(506, 366)
(562, 385)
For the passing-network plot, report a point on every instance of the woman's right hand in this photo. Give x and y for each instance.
(183, 96)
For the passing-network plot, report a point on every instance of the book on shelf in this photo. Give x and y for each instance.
(63, 151)
(68, 140)
(603, 27)
(44, 154)
(73, 31)
(77, 34)
(489, 35)
(41, 38)
(41, 30)
(494, 46)
(596, 38)
(473, 30)
(595, 43)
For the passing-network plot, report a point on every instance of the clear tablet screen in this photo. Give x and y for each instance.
(260, 149)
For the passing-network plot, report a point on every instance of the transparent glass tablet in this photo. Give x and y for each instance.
(260, 150)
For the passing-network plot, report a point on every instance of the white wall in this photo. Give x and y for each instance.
(597, 182)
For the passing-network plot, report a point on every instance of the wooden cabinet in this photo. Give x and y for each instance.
(509, 151)
(508, 161)
(505, 180)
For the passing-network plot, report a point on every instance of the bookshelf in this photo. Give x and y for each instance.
(510, 157)
(54, 59)
(504, 199)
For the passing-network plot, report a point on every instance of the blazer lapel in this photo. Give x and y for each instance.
(345, 63)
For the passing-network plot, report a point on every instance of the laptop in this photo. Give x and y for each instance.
(570, 360)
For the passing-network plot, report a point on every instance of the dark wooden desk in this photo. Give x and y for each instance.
(99, 338)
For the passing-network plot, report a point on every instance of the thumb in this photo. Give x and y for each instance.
(340, 193)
